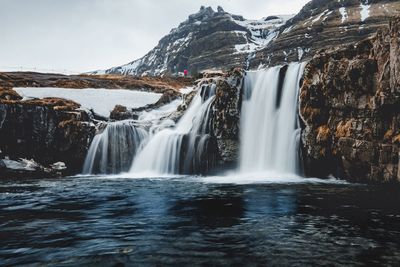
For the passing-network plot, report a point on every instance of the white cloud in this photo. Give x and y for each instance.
(95, 34)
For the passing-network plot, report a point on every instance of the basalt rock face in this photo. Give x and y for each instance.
(225, 112)
(350, 105)
(46, 130)
(324, 24)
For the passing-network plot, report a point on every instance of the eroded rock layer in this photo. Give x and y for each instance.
(350, 105)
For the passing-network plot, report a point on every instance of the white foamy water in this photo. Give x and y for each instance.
(266, 178)
(163, 153)
(113, 150)
(270, 135)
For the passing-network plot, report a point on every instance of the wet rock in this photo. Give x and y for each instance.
(46, 130)
(352, 94)
(120, 113)
(24, 168)
(227, 110)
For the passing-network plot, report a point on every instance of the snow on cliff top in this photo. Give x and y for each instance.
(101, 101)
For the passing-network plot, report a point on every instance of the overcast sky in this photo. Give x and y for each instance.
(83, 35)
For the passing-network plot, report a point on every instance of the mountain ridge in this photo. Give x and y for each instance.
(207, 39)
(219, 40)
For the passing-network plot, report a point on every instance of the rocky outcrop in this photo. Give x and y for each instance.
(47, 130)
(23, 168)
(225, 112)
(350, 105)
(123, 113)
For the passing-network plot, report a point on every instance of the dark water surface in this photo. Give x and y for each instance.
(180, 222)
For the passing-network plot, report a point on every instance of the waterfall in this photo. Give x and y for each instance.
(187, 148)
(270, 127)
(113, 150)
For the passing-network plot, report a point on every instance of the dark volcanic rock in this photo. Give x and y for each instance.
(350, 104)
(48, 130)
(226, 108)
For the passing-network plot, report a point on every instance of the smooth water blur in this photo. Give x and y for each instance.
(186, 221)
(270, 139)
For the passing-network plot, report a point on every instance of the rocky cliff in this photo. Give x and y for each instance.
(48, 130)
(350, 105)
(225, 112)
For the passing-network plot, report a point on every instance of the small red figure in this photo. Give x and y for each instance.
(185, 72)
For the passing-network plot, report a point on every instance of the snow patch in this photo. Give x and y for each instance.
(318, 18)
(300, 53)
(262, 32)
(101, 101)
(246, 48)
(343, 12)
(364, 11)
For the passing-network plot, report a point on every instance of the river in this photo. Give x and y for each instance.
(105, 221)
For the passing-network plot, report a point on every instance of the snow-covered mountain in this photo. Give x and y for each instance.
(219, 40)
(206, 40)
(326, 24)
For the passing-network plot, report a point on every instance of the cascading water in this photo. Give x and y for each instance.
(269, 141)
(271, 134)
(185, 148)
(113, 150)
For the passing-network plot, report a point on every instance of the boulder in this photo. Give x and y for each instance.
(24, 168)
